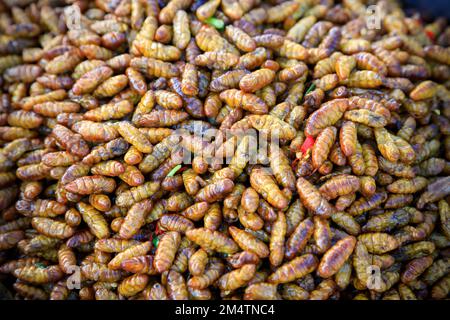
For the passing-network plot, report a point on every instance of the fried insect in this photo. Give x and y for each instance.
(97, 122)
(91, 184)
(189, 83)
(362, 204)
(135, 218)
(386, 144)
(9, 239)
(346, 222)
(277, 240)
(344, 66)
(94, 219)
(212, 240)
(247, 101)
(327, 115)
(261, 291)
(272, 126)
(52, 228)
(136, 194)
(215, 191)
(294, 269)
(197, 262)
(312, 199)
(263, 183)
(250, 200)
(378, 243)
(336, 256)
(236, 278)
(36, 275)
(241, 39)
(256, 80)
(166, 250)
(408, 186)
(322, 146)
(158, 51)
(248, 242)
(299, 238)
(339, 185)
(212, 272)
(132, 135)
(70, 141)
(366, 117)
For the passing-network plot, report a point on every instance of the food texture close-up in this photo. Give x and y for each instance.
(223, 150)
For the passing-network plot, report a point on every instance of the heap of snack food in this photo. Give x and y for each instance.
(341, 194)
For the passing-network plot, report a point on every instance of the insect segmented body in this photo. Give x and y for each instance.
(234, 149)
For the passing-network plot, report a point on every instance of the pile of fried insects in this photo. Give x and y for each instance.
(223, 149)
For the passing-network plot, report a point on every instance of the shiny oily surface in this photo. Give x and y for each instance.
(192, 149)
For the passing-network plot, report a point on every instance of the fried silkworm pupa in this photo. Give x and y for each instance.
(264, 184)
(175, 222)
(241, 39)
(91, 184)
(408, 185)
(135, 218)
(362, 205)
(36, 275)
(415, 268)
(339, 185)
(378, 242)
(139, 265)
(322, 146)
(327, 115)
(132, 135)
(256, 80)
(52, 228)
(75, 152)
(166, 250)
(299, 238)
(135, 250)
(277, 239)
(239, 259)
(215, 191)
(322, 234)
(70, 141)
(249, 242)
(247, 101)
(312, 199)
(294, 269)
(261, 291)
(129, 197)
(94, 219)
(30, 292)
(213, 217)
(336, 256)
(272, 126)
(133, 285)
(324, 290)
(197, 262)
(100, 272)
(441, 289)
(72, 217)
(292, 291)
(212, 272)
(212, 240)
(9, 239)
(236, 278)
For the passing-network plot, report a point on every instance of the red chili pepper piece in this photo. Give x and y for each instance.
(158, 231)
(182, 169)
(307, 144)
(430, 34)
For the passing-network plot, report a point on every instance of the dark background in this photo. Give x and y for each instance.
(429, 8)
